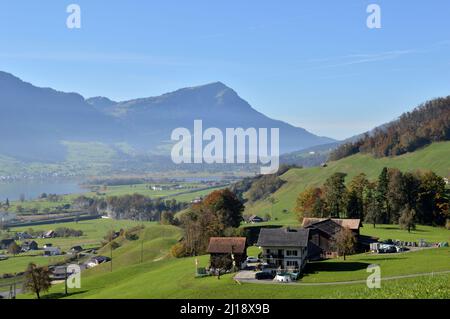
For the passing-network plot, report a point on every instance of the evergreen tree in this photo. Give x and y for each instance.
(381, 195)
(335, 194)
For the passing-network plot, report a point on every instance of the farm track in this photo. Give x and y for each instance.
(349, 282)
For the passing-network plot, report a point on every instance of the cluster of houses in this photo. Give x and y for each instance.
(287, 248)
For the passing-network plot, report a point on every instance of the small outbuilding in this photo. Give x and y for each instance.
(227, 252)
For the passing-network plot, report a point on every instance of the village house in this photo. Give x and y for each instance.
(354, 224)
(284, 248)
(52, 251)
(233, 249)
(323, 231)
(49, 234)
(27, 246)
(76, 249)
(321, 236)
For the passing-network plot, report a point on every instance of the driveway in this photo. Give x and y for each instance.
(245, 275)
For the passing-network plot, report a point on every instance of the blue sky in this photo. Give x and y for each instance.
(314, 64)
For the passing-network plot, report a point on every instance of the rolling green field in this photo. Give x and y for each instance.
(434, 157)
(162, 276)
(93, 233)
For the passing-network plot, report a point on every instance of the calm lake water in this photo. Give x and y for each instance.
(32, 189)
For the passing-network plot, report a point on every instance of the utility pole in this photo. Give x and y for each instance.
(142, 250)
(110, 245)
(65, 279)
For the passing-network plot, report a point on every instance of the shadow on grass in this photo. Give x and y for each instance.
(385, 258)
(60, 295)
(314, 268)
(399, 229)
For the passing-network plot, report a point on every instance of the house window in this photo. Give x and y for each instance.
(291, 252)
(291, 263)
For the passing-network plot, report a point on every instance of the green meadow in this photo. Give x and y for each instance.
(144, 268)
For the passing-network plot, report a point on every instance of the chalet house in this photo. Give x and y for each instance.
(49, 234)
(353, 223)
(5, 243)
(52, 251)
(321, 236)
(323, 230)
(232, 248)
(285, 248)
(76, 249)
(27, 246)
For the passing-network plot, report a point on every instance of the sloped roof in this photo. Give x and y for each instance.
(352, 223)
(224, 245)
(326, 226)
(283, 237)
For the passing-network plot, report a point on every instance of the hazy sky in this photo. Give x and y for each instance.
(314, 64)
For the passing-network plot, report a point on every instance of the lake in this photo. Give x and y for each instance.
(32, 189)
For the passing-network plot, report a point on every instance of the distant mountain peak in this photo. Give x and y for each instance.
(101, 103)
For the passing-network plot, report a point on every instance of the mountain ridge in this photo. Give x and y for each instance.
(39, 121)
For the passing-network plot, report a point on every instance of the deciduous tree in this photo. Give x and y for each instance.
(37, 279)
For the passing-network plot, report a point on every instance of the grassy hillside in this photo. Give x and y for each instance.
(162, 276)
(93, 233)
(434, 157)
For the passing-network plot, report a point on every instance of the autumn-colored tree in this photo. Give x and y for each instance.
(226, 206)
(344, 242)
(426, 124)
(310, 203)
(37, 279)
(215, 215)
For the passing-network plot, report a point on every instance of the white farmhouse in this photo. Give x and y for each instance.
(285, 248)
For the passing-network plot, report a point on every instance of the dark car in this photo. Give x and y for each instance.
(263, 275)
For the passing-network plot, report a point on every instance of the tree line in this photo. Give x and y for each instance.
(396, 197)
(135, 207)
(428, 123)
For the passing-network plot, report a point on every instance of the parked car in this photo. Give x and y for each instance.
(263, 275)
(252, 260)
(387, 249)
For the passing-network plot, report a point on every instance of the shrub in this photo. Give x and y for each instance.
(179, 250)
